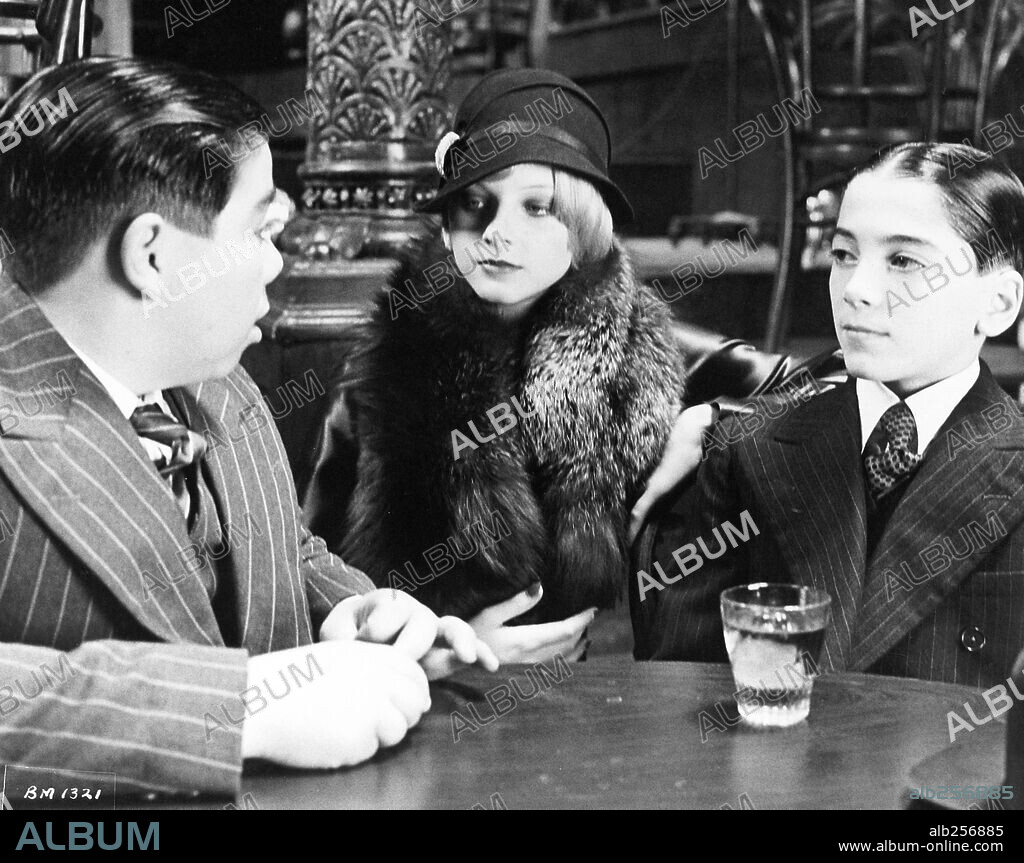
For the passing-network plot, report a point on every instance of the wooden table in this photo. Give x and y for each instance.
(620, 734)
(976, 758)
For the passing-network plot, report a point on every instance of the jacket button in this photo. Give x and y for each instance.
(972, 639)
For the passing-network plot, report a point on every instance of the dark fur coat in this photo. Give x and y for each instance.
(595, 373)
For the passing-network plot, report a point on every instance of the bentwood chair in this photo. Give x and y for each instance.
(886, 89)
(50, 31)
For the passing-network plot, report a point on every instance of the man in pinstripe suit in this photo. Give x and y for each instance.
(193, 619)
(903, 500)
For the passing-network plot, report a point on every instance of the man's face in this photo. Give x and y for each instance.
(506, 242)
(216, 286)
(906, 293)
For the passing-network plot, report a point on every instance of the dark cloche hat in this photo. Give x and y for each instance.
(526, 115)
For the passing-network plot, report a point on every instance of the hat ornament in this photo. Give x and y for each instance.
(443, 146)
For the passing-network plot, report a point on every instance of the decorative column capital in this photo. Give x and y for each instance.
(381, 67)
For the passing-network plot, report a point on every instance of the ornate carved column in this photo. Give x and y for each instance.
(381, 68)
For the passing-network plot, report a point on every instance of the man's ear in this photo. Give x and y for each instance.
(1006, 294)
(144, 256)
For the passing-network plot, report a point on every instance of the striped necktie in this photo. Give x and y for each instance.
(187, 447)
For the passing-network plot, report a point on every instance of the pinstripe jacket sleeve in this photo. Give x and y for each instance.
(328, 578)
(137, 710)
(687, 622)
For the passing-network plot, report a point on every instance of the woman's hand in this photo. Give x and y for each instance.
(533, 643)
(682, 455)
(440, 645)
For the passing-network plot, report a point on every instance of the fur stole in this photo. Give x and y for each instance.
(491, 458)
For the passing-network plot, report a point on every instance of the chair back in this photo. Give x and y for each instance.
(937, 72)
(884, 77)
(50, 31)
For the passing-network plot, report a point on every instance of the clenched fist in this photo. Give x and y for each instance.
(362, 697)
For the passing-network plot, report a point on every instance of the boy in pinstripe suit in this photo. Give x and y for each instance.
(195, 621)
(899, 492)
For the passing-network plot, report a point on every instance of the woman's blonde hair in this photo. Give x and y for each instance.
(579, 206)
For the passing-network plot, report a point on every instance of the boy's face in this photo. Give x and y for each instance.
(506, 242)
(216, 286)
(906, 293)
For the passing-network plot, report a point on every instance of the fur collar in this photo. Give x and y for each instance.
(495, 455)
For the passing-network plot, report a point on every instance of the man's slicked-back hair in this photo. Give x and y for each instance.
(132, 136)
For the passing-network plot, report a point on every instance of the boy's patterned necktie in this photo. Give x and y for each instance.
(891, 452)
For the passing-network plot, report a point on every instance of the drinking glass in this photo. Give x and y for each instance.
(774, 634)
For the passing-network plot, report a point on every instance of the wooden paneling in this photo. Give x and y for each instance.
(666, 97)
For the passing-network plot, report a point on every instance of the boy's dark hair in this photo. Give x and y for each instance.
(983, 198)
(129, 136)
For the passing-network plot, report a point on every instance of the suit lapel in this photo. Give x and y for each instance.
(247, 473)
(966, 496)
(819, 509)
(80, 467)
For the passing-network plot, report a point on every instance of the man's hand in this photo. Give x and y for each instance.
(365, 697)
(534, 643)
(440, 645)
(681, 457)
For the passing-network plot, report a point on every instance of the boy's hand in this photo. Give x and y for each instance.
(682, 455)
(440, 645)
(366, 696)
(531, 643)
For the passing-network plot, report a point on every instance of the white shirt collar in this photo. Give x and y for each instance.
(931, 406)
(127, 402)
(121, 395)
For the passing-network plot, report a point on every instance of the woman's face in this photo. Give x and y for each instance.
(506, 242)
